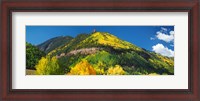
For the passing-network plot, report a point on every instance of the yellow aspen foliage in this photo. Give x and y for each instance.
(82, 68)
(109, 40)
(99, 68)
(117, 70)
(41, 67)
(99, 71)
(48, 66)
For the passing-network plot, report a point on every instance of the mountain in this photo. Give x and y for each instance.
(53, 43)
(102, 53)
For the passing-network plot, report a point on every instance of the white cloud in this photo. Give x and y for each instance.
(152, 38)
(165, 37)
(159, 48)
(171, 32)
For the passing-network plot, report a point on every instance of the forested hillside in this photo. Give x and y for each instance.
(100, 53)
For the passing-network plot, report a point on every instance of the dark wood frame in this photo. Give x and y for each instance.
(190, 6)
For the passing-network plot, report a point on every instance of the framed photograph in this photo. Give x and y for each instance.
(100, 50)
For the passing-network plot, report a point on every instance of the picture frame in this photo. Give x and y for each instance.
(190, 6)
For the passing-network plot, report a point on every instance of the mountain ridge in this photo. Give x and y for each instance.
(105, 54)
(53, 43)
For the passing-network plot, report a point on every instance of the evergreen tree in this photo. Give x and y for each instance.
(33, 55)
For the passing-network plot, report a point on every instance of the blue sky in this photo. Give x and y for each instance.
(154, 38)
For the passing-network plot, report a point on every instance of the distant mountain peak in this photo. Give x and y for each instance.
(102, 34)
(53, 43)
(107, 39)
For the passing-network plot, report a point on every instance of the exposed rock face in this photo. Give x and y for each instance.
(49, 46)
(83, 51)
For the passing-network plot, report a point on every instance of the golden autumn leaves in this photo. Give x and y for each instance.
(49, 66)
(82, 68)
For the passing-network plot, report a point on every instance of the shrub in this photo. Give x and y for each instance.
(117, 70)
(82, 68)
(99, 68)
(49, 66)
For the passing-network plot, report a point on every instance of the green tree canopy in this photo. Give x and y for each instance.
(33, 55)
